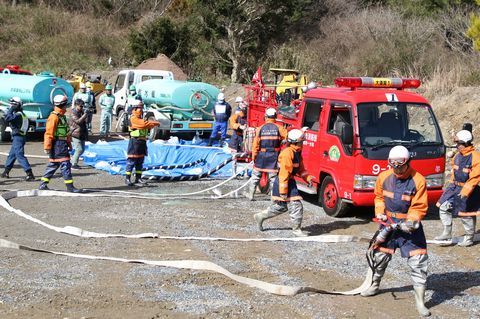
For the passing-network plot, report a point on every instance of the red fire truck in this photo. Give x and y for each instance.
(349, 131)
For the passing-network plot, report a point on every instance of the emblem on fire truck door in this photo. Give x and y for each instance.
(334, 153)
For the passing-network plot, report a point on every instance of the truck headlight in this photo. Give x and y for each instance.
(364, 182)
(435, 180)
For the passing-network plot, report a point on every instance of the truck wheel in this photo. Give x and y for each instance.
(332, 204)
(4, 136)
(122, 122)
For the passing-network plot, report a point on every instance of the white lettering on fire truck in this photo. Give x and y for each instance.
(377, 169)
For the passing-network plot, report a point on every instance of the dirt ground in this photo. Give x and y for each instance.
(36, 285)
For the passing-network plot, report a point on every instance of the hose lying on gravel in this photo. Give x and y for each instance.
(75, 231)
(206, 266)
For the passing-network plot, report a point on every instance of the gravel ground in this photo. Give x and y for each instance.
(35, 285)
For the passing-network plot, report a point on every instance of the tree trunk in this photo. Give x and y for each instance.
(235, 65)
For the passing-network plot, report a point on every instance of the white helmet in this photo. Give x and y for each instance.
(15, 101)
(463, 137)
(82, 85)
(398, 156)
(60, 100)
(295, 136)
(312, 85)
(238, 99)
(221, 97)
(271, 112)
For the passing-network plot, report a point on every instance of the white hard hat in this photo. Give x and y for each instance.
(238, 99)
(83, 86)
(221, 97)
(312, 85)
(16, 101)
(60, 100)
(464, 136)
(398, 156)
(295, 136)
(271, 112)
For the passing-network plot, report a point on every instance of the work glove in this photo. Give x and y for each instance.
(243, 127)
(409, 226)
(382, 217)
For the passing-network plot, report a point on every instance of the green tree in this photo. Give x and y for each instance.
(160, 36)
(473, 31)
(242, 31)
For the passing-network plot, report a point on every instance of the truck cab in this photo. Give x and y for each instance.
(125, 78)
(349, 131)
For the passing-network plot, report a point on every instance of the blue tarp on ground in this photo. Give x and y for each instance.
(111, 157)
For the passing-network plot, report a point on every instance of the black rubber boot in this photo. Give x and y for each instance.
(139, 180)
(127, 180)
(43, 186)
(5, 174)
(72, 189)
(210, 142)
(30, 177)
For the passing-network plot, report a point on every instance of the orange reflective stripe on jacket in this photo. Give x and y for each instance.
(410, 200)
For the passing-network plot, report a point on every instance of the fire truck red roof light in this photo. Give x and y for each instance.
(369, 82)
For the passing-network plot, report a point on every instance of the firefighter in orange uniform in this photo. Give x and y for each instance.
(57, 144)
(265, 150)
(137, 145)
(285, 188)
(238, 123)
(462, 195)
(401, 203)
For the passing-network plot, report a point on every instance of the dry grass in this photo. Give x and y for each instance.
(43, 38)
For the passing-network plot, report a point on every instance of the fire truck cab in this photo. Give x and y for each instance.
(349, 131)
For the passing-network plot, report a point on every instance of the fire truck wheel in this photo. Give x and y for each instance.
(332, 204)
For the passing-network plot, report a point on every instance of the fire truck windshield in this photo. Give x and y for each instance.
(388, 124)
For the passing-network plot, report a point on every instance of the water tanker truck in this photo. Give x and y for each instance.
(36, 92)
(182, 108)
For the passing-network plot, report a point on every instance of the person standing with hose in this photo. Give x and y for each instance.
(137, 145)
(57, 144)
(265, 150)
(400, 204)
(285, 189)
(107, 101)
(18, 121)
(462, 195)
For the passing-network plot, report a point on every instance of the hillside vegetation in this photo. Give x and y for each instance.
(223, 41)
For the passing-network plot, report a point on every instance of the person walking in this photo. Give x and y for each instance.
(137, 145)
(265, 150)
(221, 112)
(107, 101)
(57, 145)
(285, 189)
(400, 204)
(462, 195)
(18, 122)
(78, 130)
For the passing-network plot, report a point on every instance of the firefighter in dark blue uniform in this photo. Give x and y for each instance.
(19, 123)
(401, 203)
(285, 188)
(221, 112)
(462, 195)
(265, 150)
(57, 144)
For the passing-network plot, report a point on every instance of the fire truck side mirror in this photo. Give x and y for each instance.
(346, 133)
